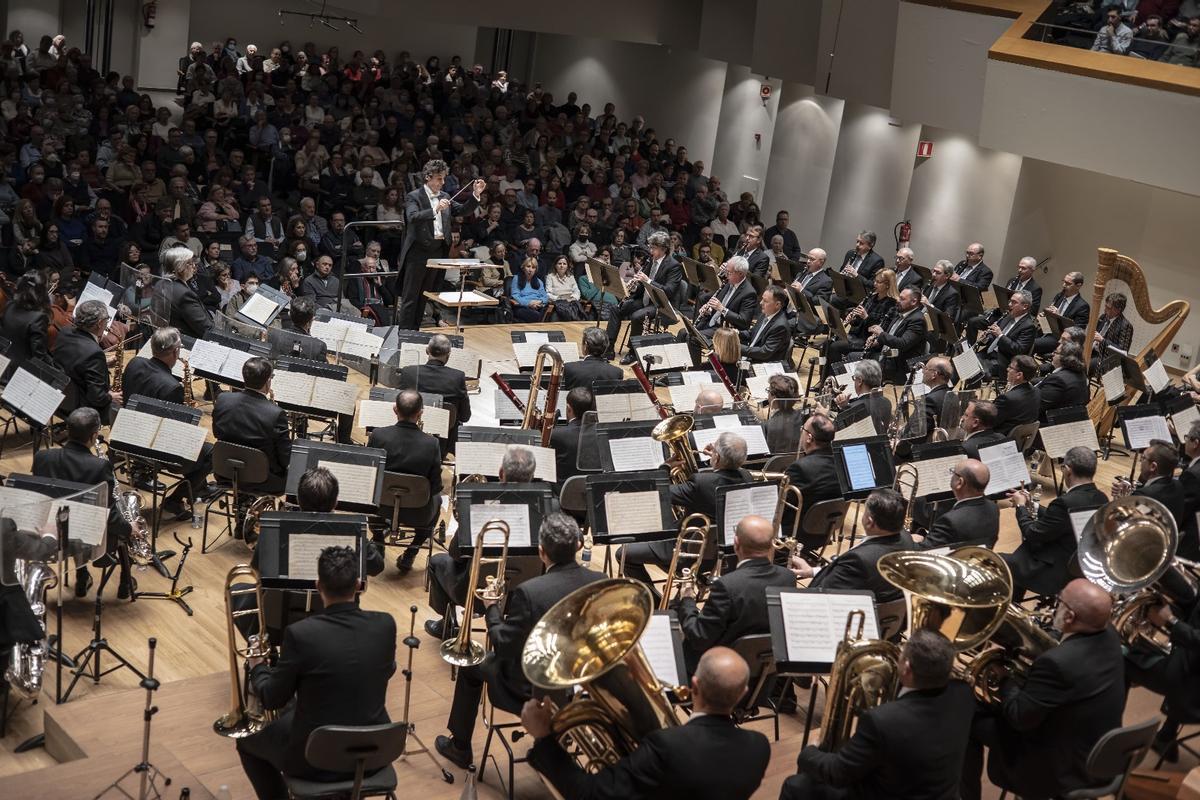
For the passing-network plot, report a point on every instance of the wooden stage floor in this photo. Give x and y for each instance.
(98, 733)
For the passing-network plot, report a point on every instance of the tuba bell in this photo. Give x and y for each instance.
(673, 432)
(246, 715)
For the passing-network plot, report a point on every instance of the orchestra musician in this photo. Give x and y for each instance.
(1021, 403)
(411, 451)
(867, 378)
(936, 374)
(508, 625)
(1070, 305)
(1189, 479)
(858, 567)
(708, 402)
(737, 600)
(707, 758)
(26, 320)
(973, 519)
(1042, 733)
(335, 664)
(697, 495)
(769, 339)
(886, 756)
(785, 422)
(435, 377)
(862, 261)
(1157, 480)
(876, 309)
(972, 270)
(941, 293)
(301, 312)
(905, 274)
(904, 333)
(734, 304)
(79, 355)
(564, 439)
(77, 461)
(252, 419)
(750, 247)
(1022, 282)
(593, 366)
(185, 311)
(1067, 385)
(816, 285)
(978, 422)
(1011, 336)
(1113, 330)
(1042, 562)
(664, 272)
(814, 472)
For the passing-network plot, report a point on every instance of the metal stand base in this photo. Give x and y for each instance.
(412, 643)
(175, 594)
(90, 655)
(147, 773)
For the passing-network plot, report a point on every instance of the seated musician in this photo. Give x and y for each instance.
(733, 304)
(1042, 732)
(858, 567)
(434, 377)
(769, 339)
(449, 571)
(78, 353)
(784, 422)
(152, 377)
(413, 452)
(77, 461)
(813, 472)
(1021, 403)
(665, 273)
(301, 312)
(816, 285)
(1067, 304)
(185, 311)
(1011, 336)
(876, 309)
(1189, 479)
(335, 664)
(697, 495)
(593, 366)
(1021, 282)
(737, 600)
(973, 519)
(941, 293)
(972, 270)
(936, 375)
(867, 379)
(508, 625)
(564, 439)
(978, 423)
(250, 418)
(1156, 480)
(708, 757)
(1112, 330)
(708, 401)
(1042, 562)
(862, 261)
(904, 333)
(887, 756)
(1067, 384)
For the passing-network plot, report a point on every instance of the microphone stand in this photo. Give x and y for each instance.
(148, 774)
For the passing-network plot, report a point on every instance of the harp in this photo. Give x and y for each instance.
(1111, 265)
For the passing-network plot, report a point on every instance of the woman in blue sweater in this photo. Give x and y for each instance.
(529, 294)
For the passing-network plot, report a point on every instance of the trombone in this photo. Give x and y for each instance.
(460, 650)
(246, 715)
(790, 499)
(695, 536)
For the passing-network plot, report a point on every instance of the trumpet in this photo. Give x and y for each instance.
(460, 650)
(695, 537)
(246, 716)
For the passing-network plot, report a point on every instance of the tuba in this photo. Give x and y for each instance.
(865, 674)
(460, 650)
(673, 432)
(246, 715)
(252, 523)
(544, 420)
(589, 640)
(694, 540)
(27, 662)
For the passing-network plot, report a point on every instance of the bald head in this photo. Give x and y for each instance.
(720, 681)
(754, 537)
(938, 370)
(709, 401)
(1088, 607)
(975, 476)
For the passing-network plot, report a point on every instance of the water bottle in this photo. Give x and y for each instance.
(223, 793)
(195, 520)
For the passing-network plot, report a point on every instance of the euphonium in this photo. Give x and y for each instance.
(544, 420)
(694, 539)
(865, 674)
(673, 432)
(27, 662)
(129, 505)
(460, 650)
(246, 715)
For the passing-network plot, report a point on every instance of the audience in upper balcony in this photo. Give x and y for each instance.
(1114, 36)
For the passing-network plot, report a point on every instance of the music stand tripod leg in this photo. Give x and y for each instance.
(91, 653)
(412, 643)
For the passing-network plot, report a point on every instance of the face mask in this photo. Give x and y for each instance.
(74, 176)
(302, 256)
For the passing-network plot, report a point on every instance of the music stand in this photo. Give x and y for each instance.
(943, 325)
(925, 273)
(603, 485)
(946, 455)
(607, 432)
(790, 269)
(549, 337)
(613, 283)
(710, 277)
(972, 298)
(848, 287)
(463, 265)
(357, 464)
(279, 300)
(863, 465)
(665, 309)
(1003, 295)
(837, 329)
(473, 500)
(758, 497)
(691, 269)
(290, 542)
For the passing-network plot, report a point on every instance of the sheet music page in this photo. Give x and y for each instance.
(360, 342)
(726, 422)
(1043, 323)
(356, 482)
(42, 402)
(293, 388)
(503, 408)
(234, 361)
(684, 397)
(136, 428)
(630, 454)
(1156, 376)
(697, 378)
(92, 291)
(412, 353)
(629, 513)
(377, 413)
(1183, 420)
(759, 384)
(4, 362)
(1079, 521)
(334, 395)
(967, 365)
(1058, 439)
(304, 550)
(613, 407)
(29, 511)
(933, 474)
(1114, 384)
(1007, 465)
(87, 522)
(740, 503)
(436, 421)
(259, 308)
(547, 464)
(468, 361)
(332, 335)
(652, 350)
(658, 643)
(856, 430)
(181, 439)
(479, 458)
(1139, 432)
(768, 369)
(526, 352)
(641, 410)
(540, 337)
(815, 624)
(17, 390)
(515, 514)
(466, 298)
(208, 357)
(676, 356)
(756, 440)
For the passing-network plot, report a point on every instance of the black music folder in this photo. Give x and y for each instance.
(359, 471)
(291, 542)
(816, 619)
(609, 484)
(512, 502)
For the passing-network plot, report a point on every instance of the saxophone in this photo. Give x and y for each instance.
(129, 504)
(118, 367)
(27, 663)
(189, 393)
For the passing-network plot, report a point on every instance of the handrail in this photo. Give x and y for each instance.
(363, 223)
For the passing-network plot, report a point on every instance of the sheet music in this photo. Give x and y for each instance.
(684, 397)
(768, 369)
(180, 438)
(658, 643)
(540, 337)
(88, 522)
(1007, 465)
(1079, 521)
(618, 407)
(756, 441)
(674, 355)
(726, 422)
(466, 360)
(967, 365)
(29, 511)
(92, 291)
(515, 514)
(856, 430)
(814, 624)
(466, 298)
(526, 352)
(413, 354)
(1140, 431)
(844, 380)
(376, 413)
(135, 428)
(31, 396)
(293, 388)
(234, 361)
(1183, 420)
(4, 362)
(359, 342)
(701, 378)
(758, 384)
(304, 551)
(1156, 376)
(259, 308)
(1114, 384)
(630, 454)
(334, 395)
(933, 474)
(741, 503)
(329, 333)
(436, 421)
(208, 357)
(630, 513)
(356, 482)
(479, 458)
(1043, 323)
(547, 463)
(1058, 439)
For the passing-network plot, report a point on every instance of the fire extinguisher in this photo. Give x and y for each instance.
(902, 233)
(148, 12)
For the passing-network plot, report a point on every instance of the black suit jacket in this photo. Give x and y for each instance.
(1063, 389)
(908, 340)
(1042, 561)
(760, 262)
(1079, 311)
(79, 355)
(668, 277)
(565, 441)
(736, 607)
(980, 277)
(819, 287)
(709, 758)
(1189, 536)
(150, 377)
(911, 278)
(74, 462)
(1017, 341)
(249, 418)
(187, 313)
(972, 444)
(1075, 693)
(816, 477)
(886, 756)
(699, 493)
(418, 216)
(413, 452)
(972, 521)
(337, 665)
(1017, 406)
(1183, 665)
(29, 333)
(740, 307)
(311, 348)
(437, 378)
(775, 343)
(1169, 492)
(1034, 290)
(588, 370)
(858, 567)
(935, 400)
(946, 299)
(872, 262)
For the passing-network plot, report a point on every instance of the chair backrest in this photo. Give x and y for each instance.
(891, 617)
(824, 518)
(572, 498)
(405, 491)
(1121, 749)
(1023, 435)
(339, 748)
(758, 654)
(779, 463)
(250, 465)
